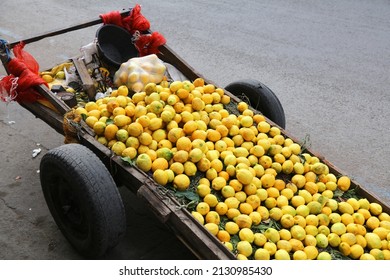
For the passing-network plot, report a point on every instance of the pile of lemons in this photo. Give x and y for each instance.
(253, 174)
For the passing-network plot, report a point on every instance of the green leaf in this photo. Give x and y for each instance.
(84, 116)
(109, 121)
(351, 193)
(128, 160)
(190, 195)
(337, 193)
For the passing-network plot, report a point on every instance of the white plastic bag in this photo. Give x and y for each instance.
(139, 71)
(88, 52)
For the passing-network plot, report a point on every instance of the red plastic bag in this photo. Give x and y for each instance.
(135, 21)
(27, 58)
(8, 85)
(149, 43)
(24, 76)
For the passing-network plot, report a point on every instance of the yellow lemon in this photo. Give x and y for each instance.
(373, 240)
(199, 217)
(212, 217)
(272, 235)
(296, 245)
(255, 217)
(159, 163)
(287, 221)
(160, 177)
(121, 120)
(345, 248)
(244, 248)
(372, 223)
(365, 212)
(195, 155)
(129, 152)
(122, 135)
(123, 90)
(298, 232)
(324, 256)
(262, 254)
(311, 252)
(263, 127)
(221, 208)
(118, 148)
(243, 221)
(110, 131)
(345, 207)
(223, 236)
(356, 251)
(271, 247)
(267, 180)
(375, 209)
(212, 228)
(91, 120)
(232, 228)
(89, 106)
(99, 127)
(202, 190)
(218, 183)
(135, 129)
(246, 234)
(259, 239)
(299, 255)
(343, 183)
(144, 162)
(211, 200)
(338, 228)
(228, 191)
(181, 182)
(284, 244)
(322, 240)
(282, 254)
(334, 239)
(245, 208)
(367, 256)
(377, 253)
(203, 208)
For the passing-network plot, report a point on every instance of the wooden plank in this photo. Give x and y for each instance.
(52, 118)
(53, 99)
(86, 80)
(197, 238)
(160, 210)
(194, 235)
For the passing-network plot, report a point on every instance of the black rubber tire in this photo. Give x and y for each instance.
(261, 98)
(83, 199)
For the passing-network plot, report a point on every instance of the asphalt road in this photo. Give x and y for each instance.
(328, 62)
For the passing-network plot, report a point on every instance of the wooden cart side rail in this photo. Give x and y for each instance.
(52, 118)
(194, 235)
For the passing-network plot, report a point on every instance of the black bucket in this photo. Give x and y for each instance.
(115, 45)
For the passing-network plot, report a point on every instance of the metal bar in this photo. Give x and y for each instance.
(64, 30)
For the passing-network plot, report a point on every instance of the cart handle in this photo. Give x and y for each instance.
(124, 12)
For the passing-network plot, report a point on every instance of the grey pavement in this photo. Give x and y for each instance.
(328, 62)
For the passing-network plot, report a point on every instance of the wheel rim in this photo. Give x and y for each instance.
(68, 207)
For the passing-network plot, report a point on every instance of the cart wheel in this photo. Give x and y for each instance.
(83, 199)
(261, 98)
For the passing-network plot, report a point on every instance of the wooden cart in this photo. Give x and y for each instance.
(88, 208)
